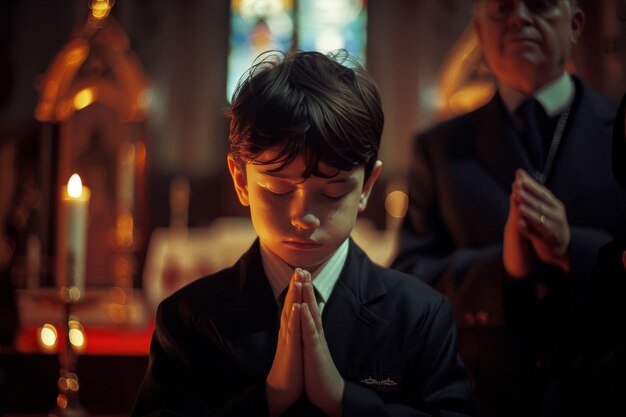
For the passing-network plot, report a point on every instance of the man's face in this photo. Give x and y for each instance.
(302, 221)
(527, 43)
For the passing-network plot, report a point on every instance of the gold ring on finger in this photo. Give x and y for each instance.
(542, 219)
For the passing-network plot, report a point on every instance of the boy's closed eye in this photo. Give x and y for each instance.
(333, 191)
(337, 192)
(279, 189)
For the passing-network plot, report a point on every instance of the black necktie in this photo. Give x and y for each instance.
(530, 112)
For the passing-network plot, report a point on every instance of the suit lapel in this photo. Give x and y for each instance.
(497, 144)
(579, 139)
(252, 328)
(351, 329)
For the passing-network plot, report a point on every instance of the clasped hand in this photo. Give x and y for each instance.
(536, 219)
(302, 363)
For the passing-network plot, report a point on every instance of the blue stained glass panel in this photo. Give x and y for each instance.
(327, 25)
(321, 25)
(256, 26)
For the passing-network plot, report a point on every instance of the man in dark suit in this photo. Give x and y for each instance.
(510, 203)
(593, 383)
(304, 323)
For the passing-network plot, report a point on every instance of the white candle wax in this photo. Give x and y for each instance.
(75, 201)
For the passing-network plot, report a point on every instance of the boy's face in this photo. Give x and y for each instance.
(302, 221)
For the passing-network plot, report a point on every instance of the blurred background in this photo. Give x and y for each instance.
(131, 95)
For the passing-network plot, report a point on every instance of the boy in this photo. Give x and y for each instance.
(353, 338)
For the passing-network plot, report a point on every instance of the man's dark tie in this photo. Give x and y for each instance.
(533, 117)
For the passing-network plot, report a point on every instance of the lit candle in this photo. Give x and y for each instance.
(75, 208)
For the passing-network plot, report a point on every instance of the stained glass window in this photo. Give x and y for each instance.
(327, 25)
(321, 25)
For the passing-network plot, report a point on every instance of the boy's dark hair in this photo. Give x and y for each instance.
(309, 104)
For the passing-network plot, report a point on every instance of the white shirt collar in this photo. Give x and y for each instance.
(555, 96)
(324, 277)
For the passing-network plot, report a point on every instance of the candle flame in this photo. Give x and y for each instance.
(74, 186)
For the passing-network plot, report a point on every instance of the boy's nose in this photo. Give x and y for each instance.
(302, 215)
(308, 221)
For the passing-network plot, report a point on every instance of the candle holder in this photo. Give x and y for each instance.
(68, 404)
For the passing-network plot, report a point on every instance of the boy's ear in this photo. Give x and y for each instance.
(369, 184)
(239, 180)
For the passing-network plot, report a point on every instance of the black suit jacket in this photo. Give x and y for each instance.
(593, 383)
(459, 185)
(215, 340)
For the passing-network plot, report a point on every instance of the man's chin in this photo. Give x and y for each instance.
(524, 66)
(526, 55)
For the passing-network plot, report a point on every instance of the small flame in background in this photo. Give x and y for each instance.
(74, 186)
